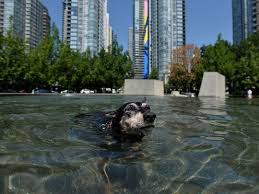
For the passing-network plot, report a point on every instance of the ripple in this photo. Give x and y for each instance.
(234, 187)
(197, 146)
(215, 138)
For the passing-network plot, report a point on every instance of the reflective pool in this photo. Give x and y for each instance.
(197, 146)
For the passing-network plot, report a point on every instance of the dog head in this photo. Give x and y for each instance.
(132, 118)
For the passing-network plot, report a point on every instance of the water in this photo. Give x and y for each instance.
(197, 146)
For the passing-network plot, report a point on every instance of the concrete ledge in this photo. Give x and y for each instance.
(213, 85)
(57, 94)
(143, 87)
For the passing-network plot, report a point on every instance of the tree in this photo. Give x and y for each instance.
(247, 65)
(52, 62)
(188, 55)
(220, 58)
(153, 74)
(41, 60)
(64, 67)
(13, 64)
(184, 64)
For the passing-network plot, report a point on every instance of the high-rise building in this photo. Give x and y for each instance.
(37, 22)
(106, 29)
(86, 25)
(13, 17)
(138, 40)
(28, 19)
(110, 36)
(244, 19)
(1, 16)
(46, 22)
(130, 42)
(257, 15)
(169, 25)
(159, 27)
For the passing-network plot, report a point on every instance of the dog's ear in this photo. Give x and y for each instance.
(111, 114)
(144, 100)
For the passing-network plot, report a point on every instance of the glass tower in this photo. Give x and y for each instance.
(130, 42)
(169, 27)
(138, 39)
(1, 16)
(257, 15)
(244, 19)
(85, 24)
(166, 31)
(13, 16)
(28, 19)
(37, 22)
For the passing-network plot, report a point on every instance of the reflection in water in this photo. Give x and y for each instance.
(201, 145)
(213, 106)
(4, 184)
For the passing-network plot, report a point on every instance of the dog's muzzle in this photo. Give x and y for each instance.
(150, 117)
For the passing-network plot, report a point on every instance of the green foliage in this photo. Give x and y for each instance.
(220, 58)
(185, 68)
(247, 65)
(53, 62)
(239, 64)
(13, 61)
(153, 74)
(180, 79)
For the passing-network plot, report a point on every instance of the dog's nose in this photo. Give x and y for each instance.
(150, 116)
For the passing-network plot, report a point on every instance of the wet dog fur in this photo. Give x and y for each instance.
(130, 121)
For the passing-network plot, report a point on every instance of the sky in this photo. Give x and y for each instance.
(205, 19)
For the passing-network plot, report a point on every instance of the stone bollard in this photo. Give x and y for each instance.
(213, 85)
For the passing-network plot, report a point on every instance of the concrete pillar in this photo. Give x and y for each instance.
(213, 85)
(143, 87)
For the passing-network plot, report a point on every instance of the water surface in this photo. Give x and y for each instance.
(197, 146)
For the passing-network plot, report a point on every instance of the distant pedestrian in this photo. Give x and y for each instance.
(249, 94)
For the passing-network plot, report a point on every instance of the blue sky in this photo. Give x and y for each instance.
(205, 19)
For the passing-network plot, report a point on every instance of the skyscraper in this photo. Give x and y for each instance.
(138, 40)
(130, 42)
(257, 15)
(28, 19)
(1, 16)
(159, 27)
(86, 25)
(244, 19)
(169, 25)
(107, 29)
(110, 36)
(13, 17)
(37, 22)
(45, 22)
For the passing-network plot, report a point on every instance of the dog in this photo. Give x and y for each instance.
(130, 121)
(126, 126)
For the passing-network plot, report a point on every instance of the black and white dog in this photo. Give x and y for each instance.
(128, 123)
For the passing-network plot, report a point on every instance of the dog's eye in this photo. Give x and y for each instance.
(132, 108)
(128, 113)
(146, 108)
